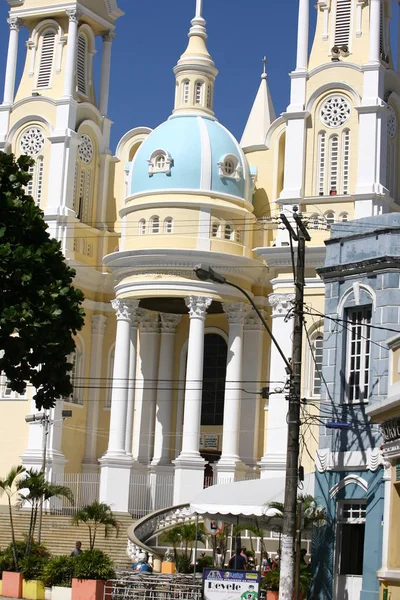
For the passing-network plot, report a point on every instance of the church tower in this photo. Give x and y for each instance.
(57, 117)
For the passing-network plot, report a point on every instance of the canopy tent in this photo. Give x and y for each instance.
(244, 500)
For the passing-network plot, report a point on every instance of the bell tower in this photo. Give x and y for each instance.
(57, 116)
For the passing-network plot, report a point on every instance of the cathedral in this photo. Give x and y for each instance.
(175, 379)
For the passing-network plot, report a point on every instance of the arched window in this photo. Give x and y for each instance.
(238, 236)
(333, 164)
(214, 375)
(155, 224)
(228, 232)
(199, 92)
(83, 199)
(168, 225)
(345, 161)
(47, 48)
(142, 227)
(209, 91)
(343, 217)
(314, 221)
(317, 345)
(321, 163)
(391, 170)
(215, 229)
(185, 91)
(329, 219)
(343, 22)
(77, 376)
(82, 64)
(159, 162)
(32, 143)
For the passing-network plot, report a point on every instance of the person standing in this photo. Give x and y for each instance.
(77, 550)
(218, 559)
(237, 561)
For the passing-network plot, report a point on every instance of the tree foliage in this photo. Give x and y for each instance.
(9, 485)
(39, 307)
(95, 516)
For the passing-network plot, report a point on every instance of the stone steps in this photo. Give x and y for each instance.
(59, 535)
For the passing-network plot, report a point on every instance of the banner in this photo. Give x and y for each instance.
(221, 584)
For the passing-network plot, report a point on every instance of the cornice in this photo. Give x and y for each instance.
(185, 192)
(56, 9)
(335, 65)
(280, 256)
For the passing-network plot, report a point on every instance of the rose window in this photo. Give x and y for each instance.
(32, 141)
(85, 149)
(335, 111)
(391, 122)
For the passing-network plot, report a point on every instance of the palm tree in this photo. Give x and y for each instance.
(9, 486)
(173, 538)
(94, 516)
(35, 490)
(189, 537)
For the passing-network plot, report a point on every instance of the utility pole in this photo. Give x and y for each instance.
(287, 572)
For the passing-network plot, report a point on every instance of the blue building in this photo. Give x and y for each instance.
(362, 300)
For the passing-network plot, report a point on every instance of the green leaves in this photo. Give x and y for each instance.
(38, 303)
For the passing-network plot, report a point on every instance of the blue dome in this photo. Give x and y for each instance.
(191, 152)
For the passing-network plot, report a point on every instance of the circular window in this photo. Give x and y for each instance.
(85, 149)
(391, 122)
(335, 111)
(32, 141)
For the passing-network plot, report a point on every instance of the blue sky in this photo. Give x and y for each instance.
(153, 34)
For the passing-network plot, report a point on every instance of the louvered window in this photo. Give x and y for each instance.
(35, 186)
(333, 163)
(46, 60)
(358, 353)
(381, 33)
(346, 161)
(318, 344)
(321, 163)
(343, 20)
(199, 90)
(185, 92)
(81, 65)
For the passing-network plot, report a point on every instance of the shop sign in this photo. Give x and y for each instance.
(213, 527)
(221, 584)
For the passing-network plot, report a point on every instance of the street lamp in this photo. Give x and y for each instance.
(207, 273)
(43, 418)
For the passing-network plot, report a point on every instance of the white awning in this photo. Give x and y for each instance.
(244, 499)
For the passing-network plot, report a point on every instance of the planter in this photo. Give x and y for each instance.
(12, 584)
(272, 595)
(33, 590)
(168, 567)
(89, 589)
(1, 587)
(61, 593)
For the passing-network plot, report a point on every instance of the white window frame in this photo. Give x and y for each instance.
(358, 349)
(154, 225)
(330, 218)
(229, 232)
(168, 225)
(199, 93)
(321, 164)
(343, 38)
(229, 167)
(142, 227)
(185, 91)
(316, 373)
(82, 77)
(345, 162)
(155, 164)
(215, 229)
(333, 170)
(77, 359)
(342, 519)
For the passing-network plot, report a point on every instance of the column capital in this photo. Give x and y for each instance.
(74, 14)
(253, 321)
(198, 306)
(281, 303)
(14, 23)
(149, 321)
(125, 309)
(99, 324)
(236, 312)
(169, 322)
(108, 36)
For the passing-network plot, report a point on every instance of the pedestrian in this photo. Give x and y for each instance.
(218, 559)
(237, 561)
(243, 553)
(142, 566)
(77, 550)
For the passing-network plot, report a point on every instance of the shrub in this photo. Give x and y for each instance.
(32, 566)
(93, 564)
(184, 564)
(7, 557)
(271, 581)
(59, 571)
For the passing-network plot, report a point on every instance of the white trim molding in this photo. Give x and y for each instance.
(348, 480)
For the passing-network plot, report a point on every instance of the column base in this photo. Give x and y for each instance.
(230, 469)
(115, 478)
(272, 466)
(90, 466)
(189, 478)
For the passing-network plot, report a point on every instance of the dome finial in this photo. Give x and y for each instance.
(264, 73)
(199, 8)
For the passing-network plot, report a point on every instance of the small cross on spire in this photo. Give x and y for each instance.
(199, 8)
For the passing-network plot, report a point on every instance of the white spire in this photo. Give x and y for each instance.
(261, 116)
(199, 8)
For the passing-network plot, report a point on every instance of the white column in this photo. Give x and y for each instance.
(145, 402)
(165, 387)
(229, 465)
(387, 478)
(189, 466)
(302, 35)
(273, 463)
(11, 68)
(374, 31)
(70, 62)
(132, 385)
(116, 464)
(253, 337)
(105, 72)
(90, 463)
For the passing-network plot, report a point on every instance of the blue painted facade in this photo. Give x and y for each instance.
(361, 275)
